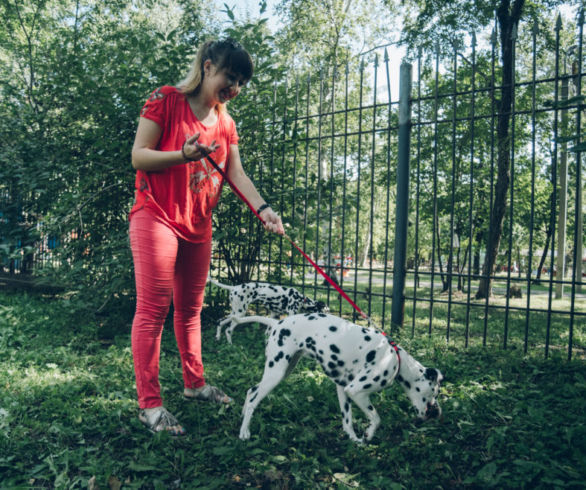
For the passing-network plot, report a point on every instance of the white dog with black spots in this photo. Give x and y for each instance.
(359, 360)
(278, 300)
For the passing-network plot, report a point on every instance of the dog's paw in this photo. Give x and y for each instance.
(244, 434)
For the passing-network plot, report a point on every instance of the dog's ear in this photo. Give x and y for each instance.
(432, 374)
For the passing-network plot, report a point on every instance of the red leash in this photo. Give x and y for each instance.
(316, 267)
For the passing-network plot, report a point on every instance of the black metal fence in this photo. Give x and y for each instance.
(335, 174)
(397, 196)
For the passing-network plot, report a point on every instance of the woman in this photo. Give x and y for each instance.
(170, 222)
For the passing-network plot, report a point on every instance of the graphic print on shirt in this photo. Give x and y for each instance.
(156, 95)
(203, 175)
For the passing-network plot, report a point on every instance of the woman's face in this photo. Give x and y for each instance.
(221, 84)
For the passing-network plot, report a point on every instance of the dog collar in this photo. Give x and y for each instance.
(396, 347)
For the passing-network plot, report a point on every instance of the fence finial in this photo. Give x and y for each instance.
(535, 27)
(493, 37)
(376, 60)
(386, 58)
(473, 39)
(581, 17)
(558, 22)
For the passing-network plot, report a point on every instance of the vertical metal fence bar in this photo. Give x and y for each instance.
(306, 202)
(271, 174)
(294, 193)
(417, 191)
(577, 255)
(533, 150)
(471, 193)
(359, 167)
(511, 187)
(450, 264)
(402, 209)
(283, 185)
(492, 133)
(319, 178)
(332, 156)
(554, 172)
(343, 237)
(435, 183)
(372, 191)
(388, 183)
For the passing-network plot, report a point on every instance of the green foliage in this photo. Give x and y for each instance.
(68, 416)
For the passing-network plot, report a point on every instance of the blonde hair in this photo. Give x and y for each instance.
(225, 54)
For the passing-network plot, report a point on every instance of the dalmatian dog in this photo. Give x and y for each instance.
(278, 300)
(359, 360)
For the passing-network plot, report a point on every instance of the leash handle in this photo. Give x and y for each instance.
(316, 267)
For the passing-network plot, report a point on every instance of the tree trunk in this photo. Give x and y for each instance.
(543, 256)
(508, 20)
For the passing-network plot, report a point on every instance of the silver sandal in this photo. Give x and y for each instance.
(163, 420)
(207, 393)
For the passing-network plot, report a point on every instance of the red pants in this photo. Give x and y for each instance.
(166, 266)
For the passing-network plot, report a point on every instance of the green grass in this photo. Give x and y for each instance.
(68, 414)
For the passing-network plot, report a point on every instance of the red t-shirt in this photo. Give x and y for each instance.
(184, 195)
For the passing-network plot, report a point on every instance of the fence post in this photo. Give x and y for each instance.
(402, 204)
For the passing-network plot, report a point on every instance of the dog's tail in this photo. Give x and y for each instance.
(269, 322)
(219, 284)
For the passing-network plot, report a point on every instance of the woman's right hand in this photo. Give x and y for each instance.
(193, 150)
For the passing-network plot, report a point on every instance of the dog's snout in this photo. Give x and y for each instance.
(433, 411)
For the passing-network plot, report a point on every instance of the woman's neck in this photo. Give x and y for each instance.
(205, 111)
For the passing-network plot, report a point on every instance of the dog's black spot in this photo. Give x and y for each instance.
(423, 400)
(287, 357)
(383, 382)
(370, 356)
(346, 406)
(335, 373)
(431, 374)
(376, 378)
(417, 389)
(350, 377)
(386, 373)
(285, 332)
(340, 363)
(367, 338)
(271, 364)
(279, 356)
(333, 328)
(321, 315)
(355, 361)
(331, 365)
(407, 384)
(311, 318)
(253, 398)
(334, 357)
(370, 407)
(334, 348)
(342, 383)
(366, 386)
(400, 378)
(363, 378)
(253, 389)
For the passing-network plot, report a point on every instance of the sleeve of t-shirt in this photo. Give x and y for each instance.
(233, 136)
(154, 107)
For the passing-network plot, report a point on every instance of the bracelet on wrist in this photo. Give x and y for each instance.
(183, 153)
(262, 208)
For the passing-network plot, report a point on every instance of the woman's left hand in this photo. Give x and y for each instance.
(272, 221)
